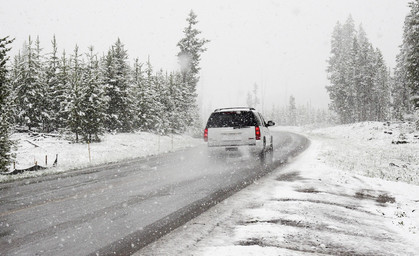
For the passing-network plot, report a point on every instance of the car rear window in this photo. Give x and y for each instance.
(231, 119)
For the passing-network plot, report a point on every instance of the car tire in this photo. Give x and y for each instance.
(262, 154)
(266, 157)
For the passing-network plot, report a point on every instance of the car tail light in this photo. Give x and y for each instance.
(206, 134)
(257, 132)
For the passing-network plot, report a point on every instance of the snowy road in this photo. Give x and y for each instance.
(310, 207)
(119, 208)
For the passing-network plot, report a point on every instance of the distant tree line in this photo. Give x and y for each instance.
(362, 87)
(292, 114)
(87, 94)
(295, 114)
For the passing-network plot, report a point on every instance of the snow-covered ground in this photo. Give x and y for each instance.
(373, 149)
(347, 194)
(33, 149)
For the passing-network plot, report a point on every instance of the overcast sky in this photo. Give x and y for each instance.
(281, 45)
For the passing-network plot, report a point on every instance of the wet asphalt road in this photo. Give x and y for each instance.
(117, 209)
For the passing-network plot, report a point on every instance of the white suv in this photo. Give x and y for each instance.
(240, 127)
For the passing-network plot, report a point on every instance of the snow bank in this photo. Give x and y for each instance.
(33, 149)
(384, 150)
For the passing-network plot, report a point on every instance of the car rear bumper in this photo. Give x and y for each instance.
(249, 148)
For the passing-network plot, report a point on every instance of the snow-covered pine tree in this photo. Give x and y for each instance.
(381, 89)
(256, 100)
(366, 72)
(119, 89)
(62, 93)
(15, 78)
(29, 89)
(94, 102)
(73, 101)
(410, 57)
(400, 92)
(108, 74)
(411, 37)
(348, 87)
(188, 104)
(185, 106)
(164, 103)
(189, 57)
(252, 97)
(292, 112)
(335, 71)
(45, 99)
(356, 69)
(150, 104)
(191, 48)
(138, 91)
(174, 105)
(5, 103)
(249, 100)
(53, 93)
(342, 91)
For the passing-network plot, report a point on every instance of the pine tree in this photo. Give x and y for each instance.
(139, 93)
(176, 102)
(355, 104)
(93, 104)
(164, 103)
(15, 78)
(252, 99)
(62, 93)
(249, 100)
(292, 112)
(44, 100)
(53, 92)
(409, 59)
(342, 91)
(366, 73)
(5, 142)
(73, 102)
(150, 104)
(189, 57)
(191, 48)
(29, 89)
(118, 89)
(381, 90)
(400, 92)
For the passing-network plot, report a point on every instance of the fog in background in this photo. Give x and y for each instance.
(282, 46)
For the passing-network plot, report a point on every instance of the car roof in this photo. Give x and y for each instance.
(234, 109)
